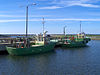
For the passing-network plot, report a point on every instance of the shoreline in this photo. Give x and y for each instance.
(95, 38)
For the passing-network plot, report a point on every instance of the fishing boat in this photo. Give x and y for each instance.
(79, 40)
(39, 46)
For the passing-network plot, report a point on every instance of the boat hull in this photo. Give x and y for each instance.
(75, 44)
(31, 50)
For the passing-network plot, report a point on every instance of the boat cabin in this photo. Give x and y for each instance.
(81, 35)
(42, 39)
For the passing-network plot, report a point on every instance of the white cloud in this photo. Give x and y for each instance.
(63, 19)
(13, 20)
(50, 7)
(82, 3)
(21, 16)
(72, 19)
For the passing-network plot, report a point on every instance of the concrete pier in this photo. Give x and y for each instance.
(3, 43)
(3, 50)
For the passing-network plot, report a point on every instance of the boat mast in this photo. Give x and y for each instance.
(27, 44)
(80, 27)
(43, 31)
(26, 21)
(26, 26)
(64, 30)
(43, 24)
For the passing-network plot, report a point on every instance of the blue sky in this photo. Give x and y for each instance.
(57, 14)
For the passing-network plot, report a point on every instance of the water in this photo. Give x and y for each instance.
(77, 61)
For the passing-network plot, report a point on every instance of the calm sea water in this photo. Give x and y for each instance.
(69, 61)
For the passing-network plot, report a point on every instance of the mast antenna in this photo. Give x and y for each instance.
(43, 24)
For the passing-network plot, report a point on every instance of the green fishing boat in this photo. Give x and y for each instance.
(79, 40)
(41, 45)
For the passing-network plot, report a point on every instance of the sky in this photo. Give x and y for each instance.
(56, 13)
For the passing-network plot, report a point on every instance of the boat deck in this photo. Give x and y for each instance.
(35, 45)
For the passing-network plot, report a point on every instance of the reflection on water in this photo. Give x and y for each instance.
(69, 61)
